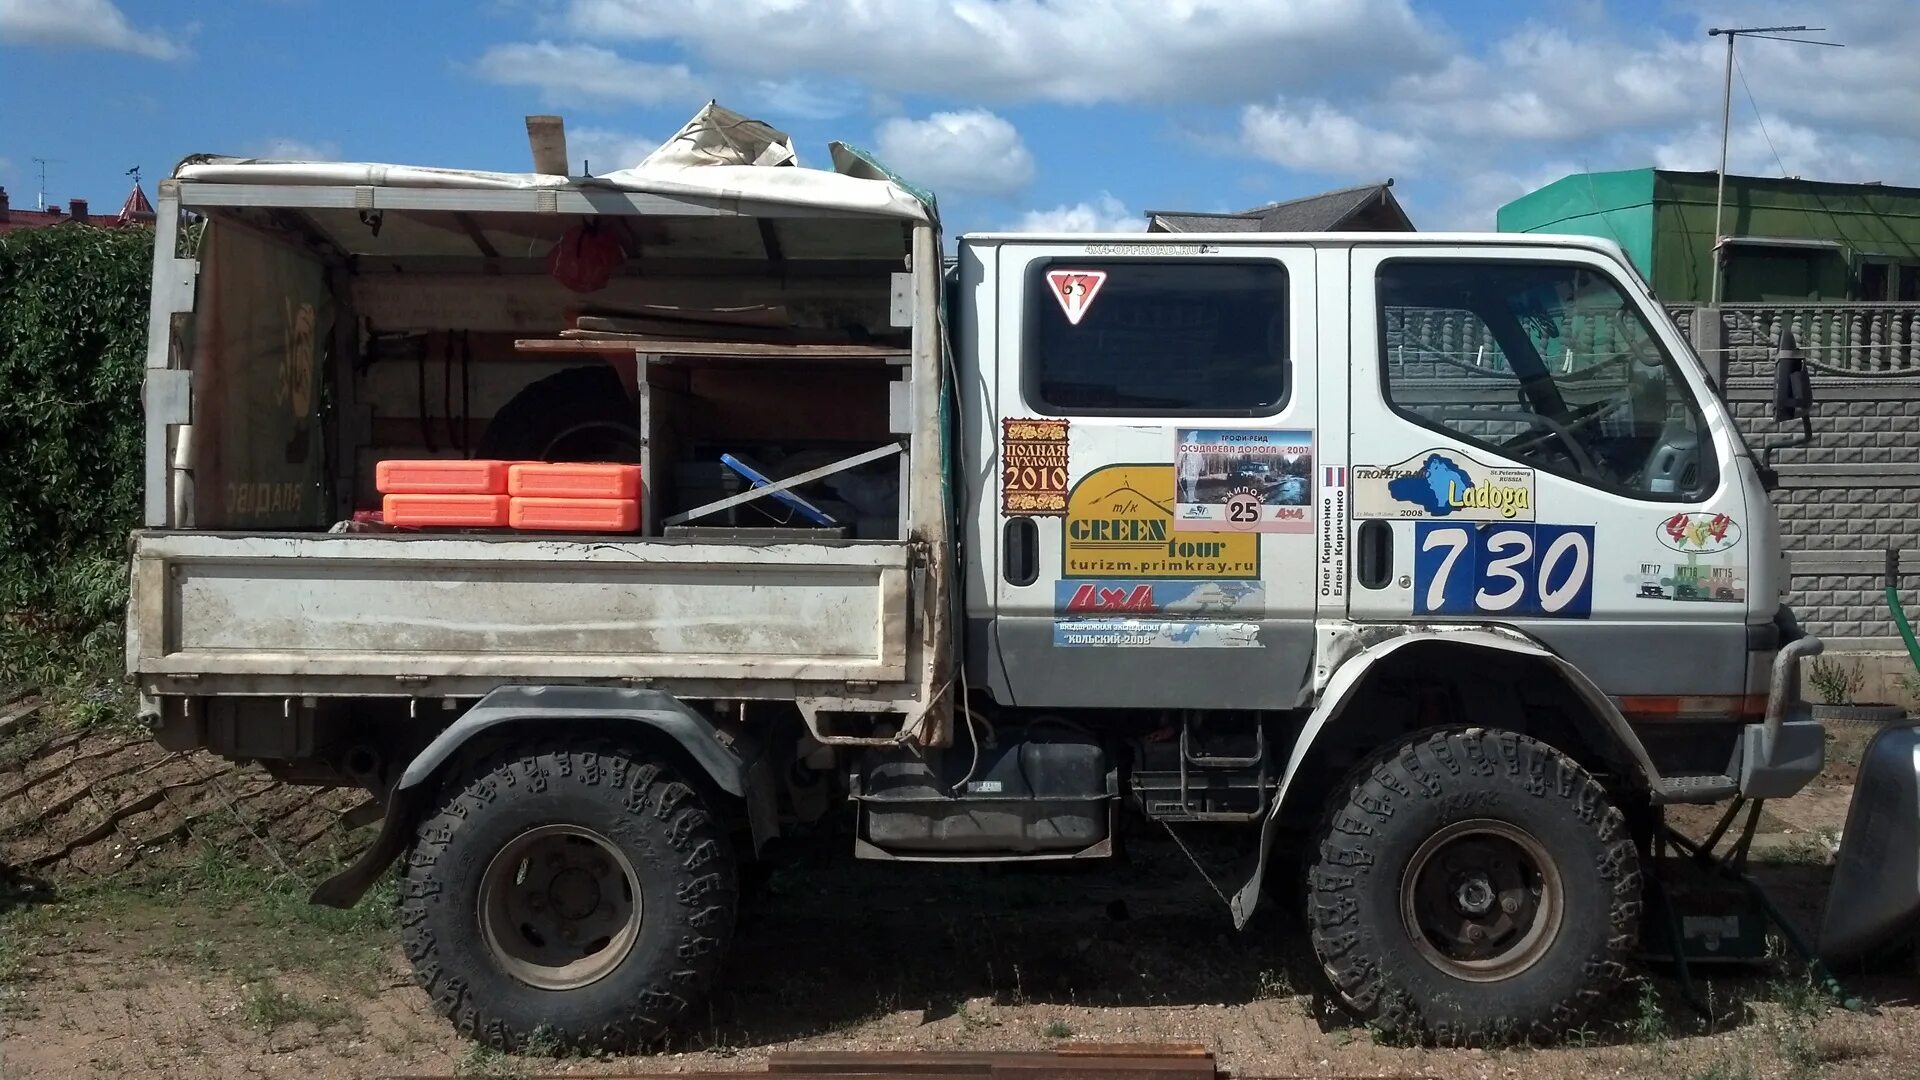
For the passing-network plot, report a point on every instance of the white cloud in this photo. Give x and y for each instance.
(1542, 83)
(799, 99)
(1076, 51)
(87, 24)
(1598, 93)
(1316, 137)
(970, 151)
(1478, 194)
(570, 74)
(1802, 150)
(1104, 214)
(285, 149)
(607, 151)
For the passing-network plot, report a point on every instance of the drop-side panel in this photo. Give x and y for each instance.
(515, 608)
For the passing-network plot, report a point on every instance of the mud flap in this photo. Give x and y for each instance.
(1874, 900)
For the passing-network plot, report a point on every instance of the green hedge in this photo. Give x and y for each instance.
(73, 315)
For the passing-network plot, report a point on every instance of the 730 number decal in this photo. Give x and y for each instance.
(1524, 570)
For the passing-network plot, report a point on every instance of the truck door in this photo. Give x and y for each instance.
(1153, 487)
(1527, 450)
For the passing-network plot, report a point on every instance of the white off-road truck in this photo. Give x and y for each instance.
(1434, 558)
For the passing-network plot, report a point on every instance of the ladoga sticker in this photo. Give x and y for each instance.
(1120, 525)
(1033, 467)
(1246, 481)
(1443, 484)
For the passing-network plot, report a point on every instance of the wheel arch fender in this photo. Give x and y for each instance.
(617, 707)
(1365, 659)
(654, 715)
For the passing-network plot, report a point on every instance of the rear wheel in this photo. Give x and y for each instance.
(580, 414)
(1473, 886)
(583, 891)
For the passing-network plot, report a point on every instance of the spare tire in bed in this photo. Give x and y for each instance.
(580, 414)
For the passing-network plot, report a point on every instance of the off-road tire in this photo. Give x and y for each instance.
(1389, 806)
(682, 858)
(527, 426)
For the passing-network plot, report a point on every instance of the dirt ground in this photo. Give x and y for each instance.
(211, 965)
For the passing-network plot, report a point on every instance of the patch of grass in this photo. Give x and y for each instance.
(1649, 1021)
(1802, 1003)
(544, 1042)
(1273, 983)
(1813, 848)
(974, 1021)
(266, 1008)
(1910, 686)
(485, 1061)
(13, 958)
(1057, 1029)
(351, 946)
(1726, 1065)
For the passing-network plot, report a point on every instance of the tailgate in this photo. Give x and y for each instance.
(515, 608)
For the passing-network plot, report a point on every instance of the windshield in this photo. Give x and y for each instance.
(1549, 364)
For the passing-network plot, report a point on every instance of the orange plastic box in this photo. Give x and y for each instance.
(563, 480)
(574, 515)
(441, 477)
(445, 511)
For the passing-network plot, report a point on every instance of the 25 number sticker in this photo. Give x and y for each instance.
(1523, 569)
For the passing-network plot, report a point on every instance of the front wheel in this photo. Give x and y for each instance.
(584, 892)
(1473, 886)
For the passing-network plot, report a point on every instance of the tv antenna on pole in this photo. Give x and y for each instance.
(43, 162)
(1763, 33)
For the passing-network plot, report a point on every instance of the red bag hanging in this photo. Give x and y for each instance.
(585, 258)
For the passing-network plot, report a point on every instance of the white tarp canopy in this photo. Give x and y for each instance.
(717, 155)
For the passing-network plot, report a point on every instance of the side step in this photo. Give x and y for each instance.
(1223, 773)
(1708, 788)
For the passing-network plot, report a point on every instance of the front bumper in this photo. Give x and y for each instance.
(1780, 755)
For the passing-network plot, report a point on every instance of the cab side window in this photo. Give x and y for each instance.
(1552, 365)
(1142, 338)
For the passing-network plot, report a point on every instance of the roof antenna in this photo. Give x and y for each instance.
(43, 163)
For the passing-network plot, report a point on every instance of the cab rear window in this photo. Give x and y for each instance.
(1134, 338)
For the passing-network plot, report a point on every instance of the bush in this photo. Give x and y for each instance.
(73, 313)
(1837, 682)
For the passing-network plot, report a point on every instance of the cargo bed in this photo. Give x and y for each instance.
(303, 614)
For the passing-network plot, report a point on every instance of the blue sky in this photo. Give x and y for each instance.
(1020, 113)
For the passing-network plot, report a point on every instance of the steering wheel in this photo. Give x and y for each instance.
(1562, 430)
(1570, 447)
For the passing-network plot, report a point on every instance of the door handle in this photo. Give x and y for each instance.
(1376, 554)
(1020, 551)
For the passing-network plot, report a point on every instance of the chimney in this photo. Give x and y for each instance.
(77, 209)
(6, 208)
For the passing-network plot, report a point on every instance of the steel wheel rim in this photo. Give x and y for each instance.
(1483, 876)
(559, 907)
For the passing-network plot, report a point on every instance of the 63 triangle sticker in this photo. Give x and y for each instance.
(1075, 289)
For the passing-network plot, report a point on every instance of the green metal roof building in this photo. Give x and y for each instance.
(1787, 239)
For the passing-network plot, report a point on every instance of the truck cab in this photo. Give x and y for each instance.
(1430, 564)
(1253, 450)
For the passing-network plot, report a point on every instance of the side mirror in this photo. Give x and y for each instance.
(1792, 390)
(1792, 400)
